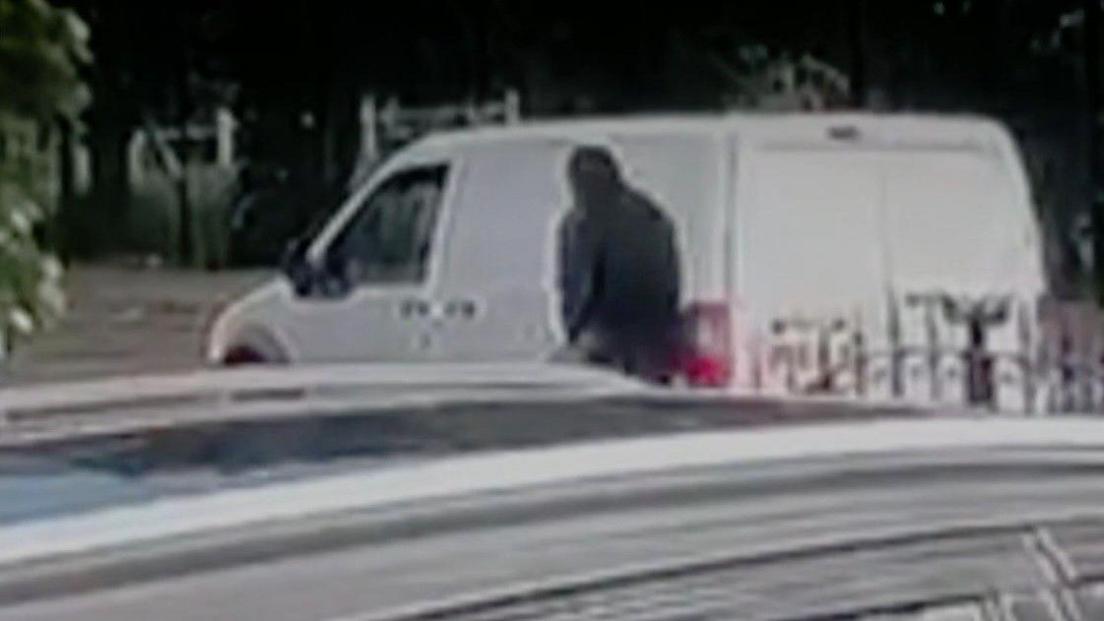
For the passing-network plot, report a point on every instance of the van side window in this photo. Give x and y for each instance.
(389, 238)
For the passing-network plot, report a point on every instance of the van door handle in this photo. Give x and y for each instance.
(460, 308)
(413, 307)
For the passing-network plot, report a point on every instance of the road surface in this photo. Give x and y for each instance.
(127, 320)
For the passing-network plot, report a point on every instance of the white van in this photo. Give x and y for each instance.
(807, 242)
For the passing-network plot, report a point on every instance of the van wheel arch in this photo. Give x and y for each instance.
(253, 345)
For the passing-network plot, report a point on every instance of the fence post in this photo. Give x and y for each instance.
(858, 346)
(896, 351)
(757, 355)
(1027, 357)
(928, 303)
(136, 146)
(512, 107)
(388, 114)
(224, 137)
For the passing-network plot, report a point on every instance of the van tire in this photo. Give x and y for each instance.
(253, 347)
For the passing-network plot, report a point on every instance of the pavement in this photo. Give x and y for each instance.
(126, 320)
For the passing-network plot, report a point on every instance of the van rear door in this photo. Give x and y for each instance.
(843, 244)
(809, 257)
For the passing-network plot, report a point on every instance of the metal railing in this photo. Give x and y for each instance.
(1056, 365)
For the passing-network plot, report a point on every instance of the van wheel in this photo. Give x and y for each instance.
(242, 355)
(253, 346)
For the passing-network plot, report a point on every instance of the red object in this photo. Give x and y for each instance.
(706, 358)
(241, 355)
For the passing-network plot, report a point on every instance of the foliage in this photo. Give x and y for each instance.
(783, 82)
(42, 50)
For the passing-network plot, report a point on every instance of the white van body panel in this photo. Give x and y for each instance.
(249, 321)
(500, 251)
(835, 228)
(492, 295)
(811, 217)
(367, 324)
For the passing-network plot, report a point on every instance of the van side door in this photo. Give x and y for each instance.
(369, 301)
(496, 298)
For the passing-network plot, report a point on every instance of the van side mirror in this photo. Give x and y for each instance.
(296, 267)
(308, 279)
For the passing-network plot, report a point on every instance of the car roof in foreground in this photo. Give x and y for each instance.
(35, 412)
(503, 471)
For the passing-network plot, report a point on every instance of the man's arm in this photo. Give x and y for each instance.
(572, 276)
(671, 261)
(672, 268)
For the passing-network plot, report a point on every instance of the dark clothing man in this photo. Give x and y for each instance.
(618, 271)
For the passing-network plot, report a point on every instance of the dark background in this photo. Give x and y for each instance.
(1032, 63)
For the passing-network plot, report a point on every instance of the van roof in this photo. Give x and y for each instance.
(930, 127)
